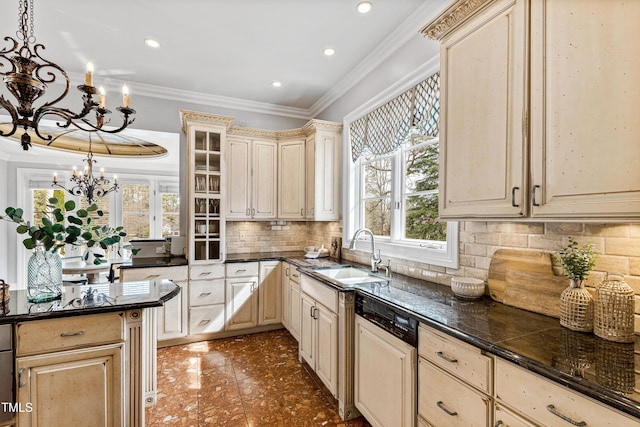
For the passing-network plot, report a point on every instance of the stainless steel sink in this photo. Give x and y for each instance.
(349, 275)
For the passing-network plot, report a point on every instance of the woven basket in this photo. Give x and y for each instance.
(576, 308)
(613, 315)
(577, 350)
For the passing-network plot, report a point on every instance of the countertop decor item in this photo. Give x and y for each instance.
(613, 315)
(467, 287)
(28, 75)
(576, 303)
(60, 224)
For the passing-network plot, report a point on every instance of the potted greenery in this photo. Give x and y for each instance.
(576, 303)
(61, 225)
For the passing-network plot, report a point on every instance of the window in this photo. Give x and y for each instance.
(135, 210)
(392, 178)
(170, 214)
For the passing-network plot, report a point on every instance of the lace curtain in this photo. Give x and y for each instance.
(384, 129)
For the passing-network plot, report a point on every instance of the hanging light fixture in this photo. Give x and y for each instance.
(26, 76)
(87, 185)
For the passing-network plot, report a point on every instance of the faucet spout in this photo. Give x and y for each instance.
(375, 257)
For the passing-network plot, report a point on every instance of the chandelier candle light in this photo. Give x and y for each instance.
(26, 75)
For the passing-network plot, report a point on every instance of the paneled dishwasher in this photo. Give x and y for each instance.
(385, 363)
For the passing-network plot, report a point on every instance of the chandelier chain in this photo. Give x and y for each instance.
(25, 22)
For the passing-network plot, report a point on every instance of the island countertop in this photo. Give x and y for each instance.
(89, 299)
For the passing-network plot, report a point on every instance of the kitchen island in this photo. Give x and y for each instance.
(80, 360)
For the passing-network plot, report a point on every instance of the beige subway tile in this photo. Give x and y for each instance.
(488, 238)
(475, 249)
(597, 242)
(634, 266)
(569, 228)
(612, 264)
(476, 273)
(545, 242)
(637, 306)
(607, 230)
(501, 227)
(482, 263)
(514, 240)
(467, 260)
(475, 226)
(634, 282)
(636, 323)
(437, 269)
(634, 230)
(443, 279)
(432, 276)
(528, 227)
(621, 246)
(465, 237)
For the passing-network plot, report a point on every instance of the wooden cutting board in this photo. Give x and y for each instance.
(504, 260)
(534, 292)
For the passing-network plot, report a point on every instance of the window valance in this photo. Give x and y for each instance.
(384, 129)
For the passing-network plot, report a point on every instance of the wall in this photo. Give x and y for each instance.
(247, 237)
(4, 226)
(618, 246)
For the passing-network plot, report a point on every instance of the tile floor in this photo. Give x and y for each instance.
(251, 381)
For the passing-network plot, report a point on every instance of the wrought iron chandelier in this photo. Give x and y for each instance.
(26, 75)
(87, 185)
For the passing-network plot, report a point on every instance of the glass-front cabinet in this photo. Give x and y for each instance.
(205, 189)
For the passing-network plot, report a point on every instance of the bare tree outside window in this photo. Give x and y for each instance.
(170, 214)
(377, 200)
(135, 210)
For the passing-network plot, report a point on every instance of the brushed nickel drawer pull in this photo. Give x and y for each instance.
(205, 294)
(205, 273)
(441, 406)
(447, 358)
(533, 195)
(75, 334)
(205, 321)
(241, 270)
(152, 276)
(295, 275)
(555, 412)
(513, 197)
(498, 423)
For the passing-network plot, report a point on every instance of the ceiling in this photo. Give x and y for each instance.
(225, 49)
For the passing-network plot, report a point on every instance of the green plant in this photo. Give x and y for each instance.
(577, 261)
(63, 225)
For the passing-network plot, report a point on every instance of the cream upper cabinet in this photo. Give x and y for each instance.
(291, 180)
(252, 178)
(585, 86)
(482, 88)
(323, 151)
(565, 117)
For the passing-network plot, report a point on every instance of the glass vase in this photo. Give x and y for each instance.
(576, 307)
(44, 278)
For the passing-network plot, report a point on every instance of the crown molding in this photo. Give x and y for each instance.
(401, 35)
(452, 17)
(252, 132)
(187, 116)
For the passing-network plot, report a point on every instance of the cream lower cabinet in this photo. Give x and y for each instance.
(560, 138)
(254, 294)
(385, 376)
(549, 404)
(455, 381)
(206, 299)
(504, 417)
(291, 299)
(72, 372)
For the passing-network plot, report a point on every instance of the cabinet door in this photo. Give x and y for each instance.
(323, 176)
(270, 293)
(286, 295)
(482, 144)
(172, 316)
(291, 183)
(585, 86)
(296, 310)
(327, 347)
(264, 179)
(505, 418)
(238, 179)
(72, 388)
(307, 340)
(242, 303)
(384, 386)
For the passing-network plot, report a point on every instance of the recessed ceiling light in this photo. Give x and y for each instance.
(329, 51)
(152, 42)
(364, 6)
(276, 84)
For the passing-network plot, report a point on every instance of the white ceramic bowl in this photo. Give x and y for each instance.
(467, 287)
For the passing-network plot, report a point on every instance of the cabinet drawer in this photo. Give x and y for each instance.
(242, 269)
(458, 358)
(206, 319)
(538, 399)
(206, 292)
(211, 271)
(505, 418)
(443, 400)
(320, 292)
(45, 336)
(177, 273)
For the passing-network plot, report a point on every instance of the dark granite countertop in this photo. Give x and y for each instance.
(155, 262)
(107, 297)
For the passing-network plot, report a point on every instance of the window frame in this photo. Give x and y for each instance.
(353, 184)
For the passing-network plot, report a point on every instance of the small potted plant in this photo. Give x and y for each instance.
(61, 225)
(576, 303)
